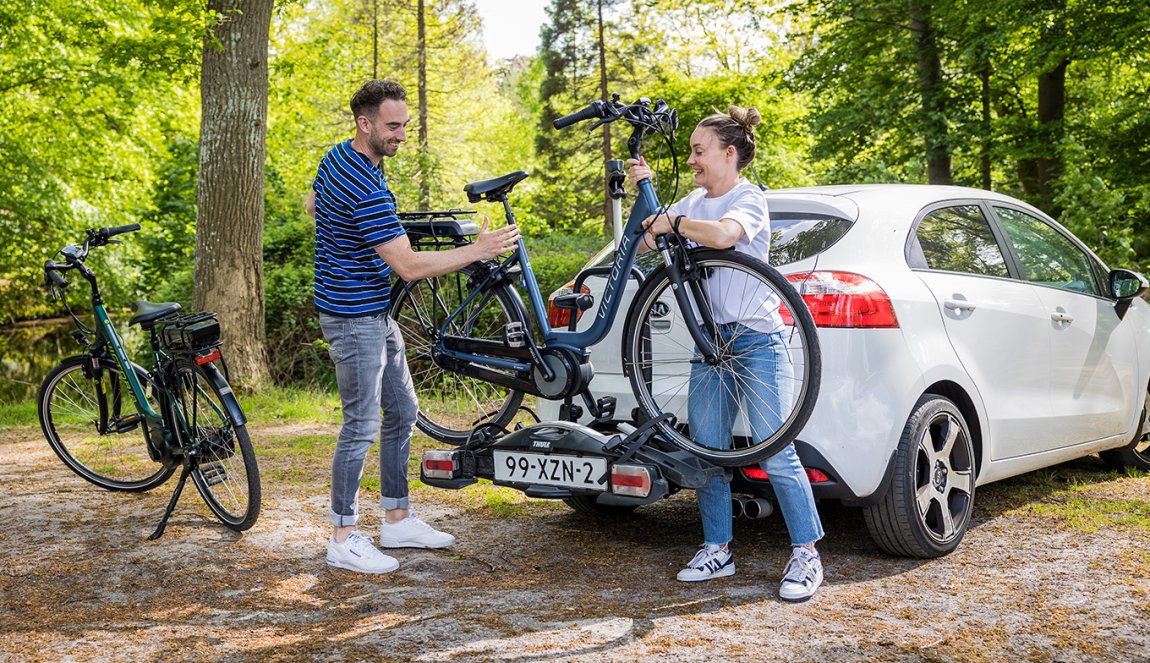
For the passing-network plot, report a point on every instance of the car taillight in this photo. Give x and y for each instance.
(843, 299)
(560, 318)
(814, 475)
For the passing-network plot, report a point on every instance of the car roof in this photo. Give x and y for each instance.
(846, 199)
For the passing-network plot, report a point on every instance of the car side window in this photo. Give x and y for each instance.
(957, 239)
(1048, 257)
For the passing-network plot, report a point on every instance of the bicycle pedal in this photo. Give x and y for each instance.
(214, 473)
(514, 335)
(126, 423)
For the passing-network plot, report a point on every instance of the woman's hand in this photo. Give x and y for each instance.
(657, 224)
(637, 169)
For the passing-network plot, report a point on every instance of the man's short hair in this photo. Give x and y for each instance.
(371, 94)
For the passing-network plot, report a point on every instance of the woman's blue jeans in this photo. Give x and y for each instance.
(760, 379)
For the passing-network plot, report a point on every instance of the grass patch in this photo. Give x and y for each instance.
(279, 404)
(1088, 513)
(18, 414)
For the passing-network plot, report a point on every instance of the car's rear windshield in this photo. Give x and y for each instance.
(794, 236)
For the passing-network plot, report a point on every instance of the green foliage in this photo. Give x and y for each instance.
(87, 91)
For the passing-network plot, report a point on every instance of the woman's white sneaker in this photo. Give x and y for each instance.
(356, 553)
(710, 562)
(802, 575)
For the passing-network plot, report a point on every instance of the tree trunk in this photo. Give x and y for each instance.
(230, 198)
(608, 216)
(930, 84)
(984, 147)
(424, 140)
(1051, 110)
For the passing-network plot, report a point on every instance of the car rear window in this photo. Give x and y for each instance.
(794, 237)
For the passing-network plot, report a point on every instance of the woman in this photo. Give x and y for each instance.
(727, 210)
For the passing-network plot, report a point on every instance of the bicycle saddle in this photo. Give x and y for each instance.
(494, 190)
(147, 312)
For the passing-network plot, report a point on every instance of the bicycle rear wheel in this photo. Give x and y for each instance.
(89, 418)
(225, 470)
(452, 404)
(661, 359)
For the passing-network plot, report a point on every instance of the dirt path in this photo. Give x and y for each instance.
(531, 580)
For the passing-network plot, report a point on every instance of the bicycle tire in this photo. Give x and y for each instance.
(224, 466)
(452, 405)
(658, 355)
(69, 412)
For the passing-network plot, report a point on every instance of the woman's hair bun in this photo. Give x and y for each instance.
(747, 118)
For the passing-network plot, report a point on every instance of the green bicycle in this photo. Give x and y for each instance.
(125, 428)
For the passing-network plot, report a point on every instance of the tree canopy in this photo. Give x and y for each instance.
(100, 114)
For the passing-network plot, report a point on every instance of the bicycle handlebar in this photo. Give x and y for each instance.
(595, 109)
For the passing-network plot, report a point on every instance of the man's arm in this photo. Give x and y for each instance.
(413, 265)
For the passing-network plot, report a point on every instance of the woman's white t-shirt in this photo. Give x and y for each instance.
(736, 297)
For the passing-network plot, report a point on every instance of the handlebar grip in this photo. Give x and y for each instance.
(594, 110)
(50, 272)
(119, 230)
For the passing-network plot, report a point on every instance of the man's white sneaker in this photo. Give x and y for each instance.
(802, 576)
(356, 553)
(710, 562)
(411, 532)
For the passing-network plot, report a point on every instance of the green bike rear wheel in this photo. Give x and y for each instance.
(224, 462)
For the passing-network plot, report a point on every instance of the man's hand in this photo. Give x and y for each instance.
(496, 242)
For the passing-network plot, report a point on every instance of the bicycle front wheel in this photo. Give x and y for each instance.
(224, 463)
(452, 404)
(89, 418)
(756, 311)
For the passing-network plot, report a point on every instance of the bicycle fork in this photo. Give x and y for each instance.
(684, 276)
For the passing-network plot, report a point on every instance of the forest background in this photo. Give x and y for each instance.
(107, 118)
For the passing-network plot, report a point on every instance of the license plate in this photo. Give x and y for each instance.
(551, 470)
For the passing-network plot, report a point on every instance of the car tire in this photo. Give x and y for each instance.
(928, 506)
(1135, 455)
(586, 504)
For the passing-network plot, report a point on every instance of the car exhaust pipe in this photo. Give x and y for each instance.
(738, 507)
(757, 508)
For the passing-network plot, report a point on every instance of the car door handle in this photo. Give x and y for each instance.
(1059, 316)
(958, 305)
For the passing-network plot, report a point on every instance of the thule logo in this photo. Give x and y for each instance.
(541, 444)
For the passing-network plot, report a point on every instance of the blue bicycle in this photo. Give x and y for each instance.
(475, 350)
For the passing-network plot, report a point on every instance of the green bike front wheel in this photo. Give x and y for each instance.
(88, 415)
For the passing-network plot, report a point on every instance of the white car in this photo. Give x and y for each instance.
(966, 337)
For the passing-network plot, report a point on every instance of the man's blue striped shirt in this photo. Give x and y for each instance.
(354, 213)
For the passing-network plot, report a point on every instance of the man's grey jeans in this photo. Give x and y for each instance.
(371, 372)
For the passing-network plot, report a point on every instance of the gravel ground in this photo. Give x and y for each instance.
(532, 580)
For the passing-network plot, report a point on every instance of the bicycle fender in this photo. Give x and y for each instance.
(227, 396)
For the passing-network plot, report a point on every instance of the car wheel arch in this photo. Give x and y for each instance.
(965, 404)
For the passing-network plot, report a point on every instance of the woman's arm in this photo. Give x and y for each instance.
(721, 234)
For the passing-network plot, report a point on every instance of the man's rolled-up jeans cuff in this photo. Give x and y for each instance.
(390, 503)
(338, 520)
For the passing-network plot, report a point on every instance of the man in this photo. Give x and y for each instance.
(359, 242)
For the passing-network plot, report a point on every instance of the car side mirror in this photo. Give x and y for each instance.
(1125, 285)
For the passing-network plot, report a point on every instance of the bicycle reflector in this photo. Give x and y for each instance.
(631, 480)
(440, 464)
(207, 357)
